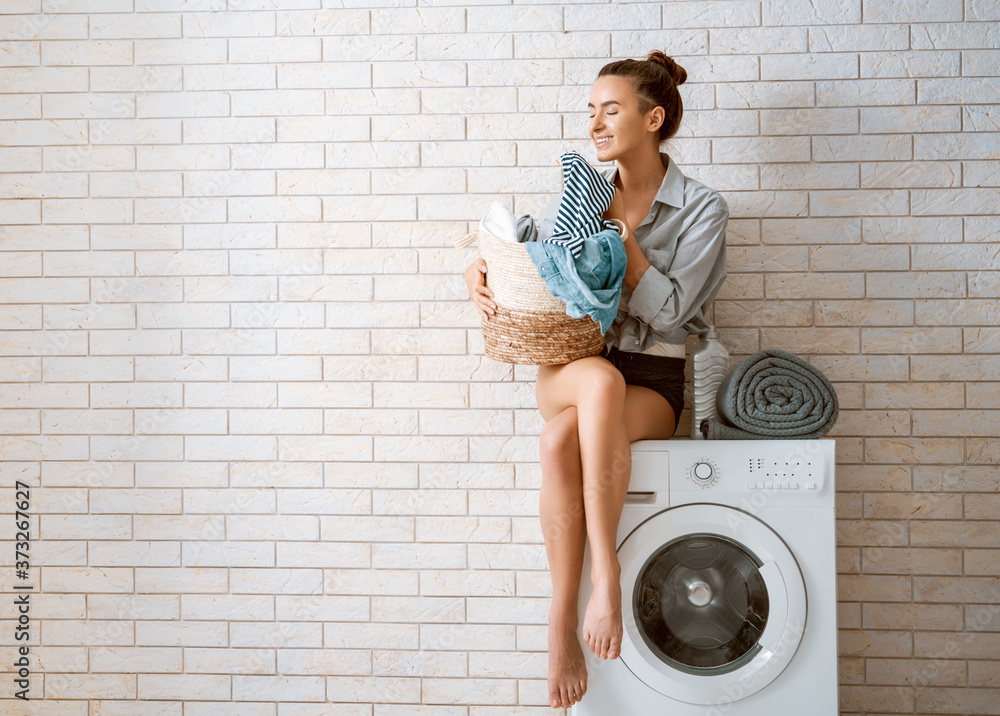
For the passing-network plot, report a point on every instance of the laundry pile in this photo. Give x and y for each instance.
(586, 196)
(579, 254)
(772, 394)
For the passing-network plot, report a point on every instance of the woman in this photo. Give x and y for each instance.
(595, 407)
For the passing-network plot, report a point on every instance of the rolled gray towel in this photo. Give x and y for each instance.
(772, 394)
(714, 429)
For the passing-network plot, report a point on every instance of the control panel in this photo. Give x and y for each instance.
(792, 473)
(743, 473)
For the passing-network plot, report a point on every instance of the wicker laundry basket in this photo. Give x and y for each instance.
(530, 325)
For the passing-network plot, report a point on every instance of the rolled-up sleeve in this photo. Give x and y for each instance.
(669, 296)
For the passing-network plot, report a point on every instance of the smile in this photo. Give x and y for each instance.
(601, 141)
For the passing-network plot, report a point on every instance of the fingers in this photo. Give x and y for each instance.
(486, 311)
(475, 277)
(476, 273)
(481, 297)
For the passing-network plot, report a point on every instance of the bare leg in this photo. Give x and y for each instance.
(609, 415)
(645, 414)
(562, 518)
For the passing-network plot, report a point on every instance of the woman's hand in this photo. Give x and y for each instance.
(475, 279)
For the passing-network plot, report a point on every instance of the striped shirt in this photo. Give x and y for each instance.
(586, 196)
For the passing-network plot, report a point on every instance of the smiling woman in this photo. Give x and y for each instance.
(594, 407)
(650, 92)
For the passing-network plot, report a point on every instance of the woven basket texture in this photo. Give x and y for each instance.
(530, 326)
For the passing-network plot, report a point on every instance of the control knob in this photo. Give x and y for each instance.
(704, 473)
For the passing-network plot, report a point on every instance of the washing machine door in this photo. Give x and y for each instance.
(714, 603)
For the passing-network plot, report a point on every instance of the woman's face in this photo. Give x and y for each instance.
(616, 126)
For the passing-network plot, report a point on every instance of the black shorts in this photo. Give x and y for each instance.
(663, 374)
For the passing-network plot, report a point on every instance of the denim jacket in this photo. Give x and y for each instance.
(590, 284)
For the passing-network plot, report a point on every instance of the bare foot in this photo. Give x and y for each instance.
(602, 624)
(567, 668)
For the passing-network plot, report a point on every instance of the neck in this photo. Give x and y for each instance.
(641, 173)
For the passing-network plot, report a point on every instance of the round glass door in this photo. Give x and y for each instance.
(701, 604)
(714, 600)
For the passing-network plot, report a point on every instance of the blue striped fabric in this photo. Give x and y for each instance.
(586, 195)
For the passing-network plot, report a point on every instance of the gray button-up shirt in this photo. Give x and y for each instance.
(684, 239)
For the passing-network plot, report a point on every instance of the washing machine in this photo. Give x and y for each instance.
(729, 597)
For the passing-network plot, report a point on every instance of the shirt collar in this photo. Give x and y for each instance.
(671, 189)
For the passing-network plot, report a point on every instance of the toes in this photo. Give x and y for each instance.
(615, 650)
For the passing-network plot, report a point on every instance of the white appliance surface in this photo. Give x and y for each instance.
(765, 502)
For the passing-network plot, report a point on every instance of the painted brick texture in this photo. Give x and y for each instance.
(273, 473)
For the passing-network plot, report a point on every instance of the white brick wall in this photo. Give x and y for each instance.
(272, 470)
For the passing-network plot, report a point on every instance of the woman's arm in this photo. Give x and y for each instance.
(669, 296)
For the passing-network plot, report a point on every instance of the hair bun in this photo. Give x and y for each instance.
(676, 72)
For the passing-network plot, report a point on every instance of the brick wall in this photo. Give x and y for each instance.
(271, 467)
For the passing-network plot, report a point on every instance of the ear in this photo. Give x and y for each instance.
(655, 118)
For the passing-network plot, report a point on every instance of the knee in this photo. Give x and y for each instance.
(605, 387)
(560, 439)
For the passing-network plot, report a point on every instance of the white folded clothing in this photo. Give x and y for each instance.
(500, 222)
